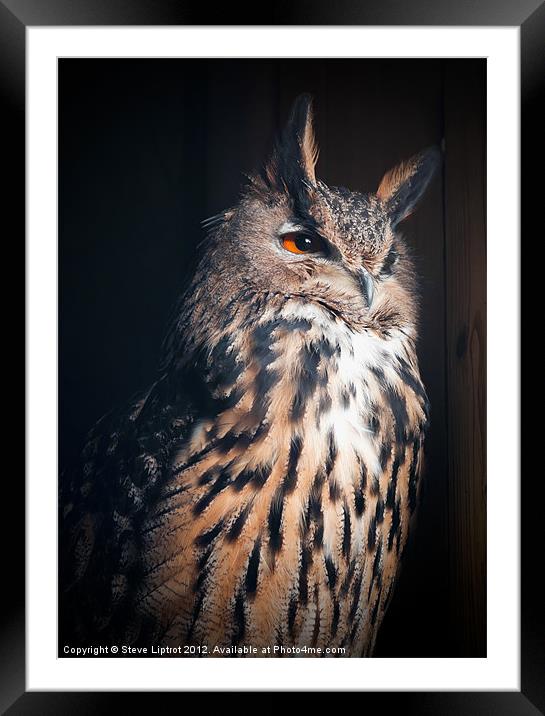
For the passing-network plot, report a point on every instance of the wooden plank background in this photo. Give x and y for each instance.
(465, 258)
(148, 148)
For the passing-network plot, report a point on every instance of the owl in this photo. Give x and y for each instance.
(260, 493)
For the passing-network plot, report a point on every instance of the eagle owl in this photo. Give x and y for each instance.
(261, 491)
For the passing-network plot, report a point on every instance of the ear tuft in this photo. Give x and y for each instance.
(403, 186)
(296, 152)
(307, 139)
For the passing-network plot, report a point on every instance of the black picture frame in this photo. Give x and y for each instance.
(15, 17)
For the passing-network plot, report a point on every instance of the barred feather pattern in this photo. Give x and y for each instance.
(287, 513)
(279, 520)
(102, 503)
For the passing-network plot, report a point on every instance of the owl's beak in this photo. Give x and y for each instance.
(367, 285)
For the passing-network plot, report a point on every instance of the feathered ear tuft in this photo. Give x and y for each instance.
(402, 187)
(295, 154)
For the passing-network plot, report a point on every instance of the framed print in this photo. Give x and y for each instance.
(304, 451)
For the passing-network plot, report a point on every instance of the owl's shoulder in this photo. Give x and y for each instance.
(104, 497)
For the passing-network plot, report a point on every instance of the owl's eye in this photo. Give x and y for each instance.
(302, 243)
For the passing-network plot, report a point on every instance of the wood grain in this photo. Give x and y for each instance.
(465, 253)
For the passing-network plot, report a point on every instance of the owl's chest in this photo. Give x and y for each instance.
(346, 392)
(286, 512)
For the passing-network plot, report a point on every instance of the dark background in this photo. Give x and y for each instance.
(149, 148)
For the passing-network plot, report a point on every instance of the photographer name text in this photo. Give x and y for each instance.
(203, 650)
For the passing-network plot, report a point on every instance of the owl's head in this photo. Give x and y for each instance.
(292, 237)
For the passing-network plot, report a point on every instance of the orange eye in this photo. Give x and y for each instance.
(302, 243)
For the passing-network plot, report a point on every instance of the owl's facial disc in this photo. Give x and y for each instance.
(298, 240)
(303, 242)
